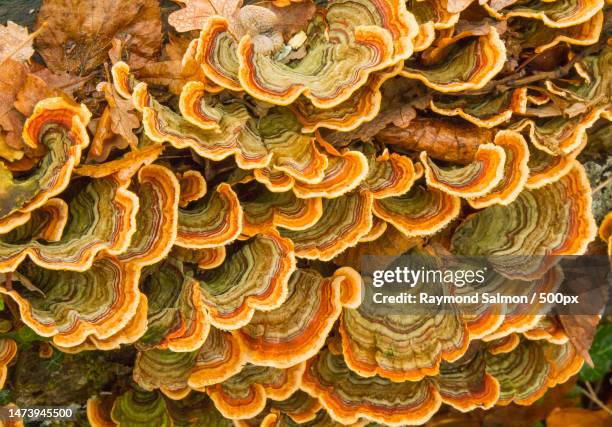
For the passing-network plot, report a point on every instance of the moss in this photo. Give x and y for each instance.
(600, 175)
(65, 379)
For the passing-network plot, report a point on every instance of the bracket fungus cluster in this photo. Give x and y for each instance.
(212, 228)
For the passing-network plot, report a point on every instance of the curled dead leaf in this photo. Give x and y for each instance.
(121, 112)
(442, 140)
(581, 329)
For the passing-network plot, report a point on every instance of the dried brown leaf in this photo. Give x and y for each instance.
(165, 73)
(104, 140)
(399, 115)
(456, 6)
(292, 19)
(175, 70)
(115, 53)
(12, 124)
(123, 120)
(442, 139)
(580, 329)
(80, 32)
(480, 27)
(15, 42)
(67, 83)
(500, 4)
(12, 78)
(34, 89)
(194, 14)
(175, 48)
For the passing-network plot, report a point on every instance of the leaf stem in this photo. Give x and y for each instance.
(602, 185)
(590, 393)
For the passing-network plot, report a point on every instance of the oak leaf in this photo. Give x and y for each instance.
(80, 32)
